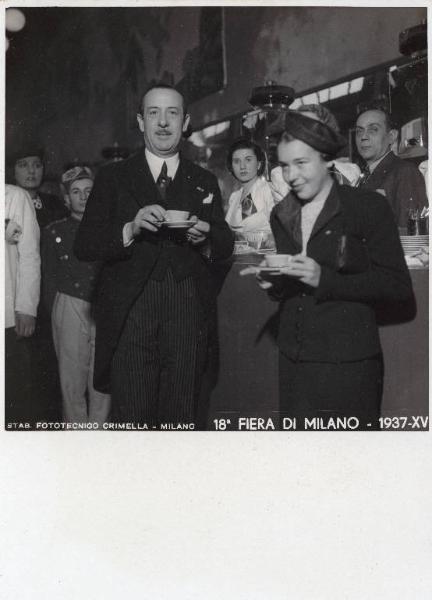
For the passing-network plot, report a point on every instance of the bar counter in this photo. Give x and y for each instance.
(247, 381)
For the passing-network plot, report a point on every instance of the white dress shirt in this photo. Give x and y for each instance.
(262, 198)
(155, 164)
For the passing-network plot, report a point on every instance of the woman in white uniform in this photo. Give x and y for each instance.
(250, 206)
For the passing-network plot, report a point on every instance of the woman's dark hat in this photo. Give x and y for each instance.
(22, 151)
(312, 132)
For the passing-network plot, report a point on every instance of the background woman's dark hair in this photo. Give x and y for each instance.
(245, 144)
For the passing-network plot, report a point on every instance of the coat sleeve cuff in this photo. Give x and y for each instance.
(128, 237)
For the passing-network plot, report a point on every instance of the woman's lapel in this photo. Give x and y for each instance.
(288, 212)
(332, 207)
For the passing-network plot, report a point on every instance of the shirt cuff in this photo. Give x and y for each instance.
(128, 237)
(205, 248)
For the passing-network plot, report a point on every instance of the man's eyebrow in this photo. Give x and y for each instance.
(367, 125)
(168, 107)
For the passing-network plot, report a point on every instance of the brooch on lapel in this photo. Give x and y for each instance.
(208, 199)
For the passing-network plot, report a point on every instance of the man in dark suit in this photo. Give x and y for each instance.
(399, 180)
(156, 289)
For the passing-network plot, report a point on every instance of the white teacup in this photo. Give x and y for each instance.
(278, 260)
(176, 215)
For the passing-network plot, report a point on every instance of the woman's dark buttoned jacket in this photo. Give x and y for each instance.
(336, 322)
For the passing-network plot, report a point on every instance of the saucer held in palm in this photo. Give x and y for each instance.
(178, 224)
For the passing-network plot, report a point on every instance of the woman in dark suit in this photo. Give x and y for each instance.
(346, 260)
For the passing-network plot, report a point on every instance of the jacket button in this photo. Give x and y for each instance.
(300, 308)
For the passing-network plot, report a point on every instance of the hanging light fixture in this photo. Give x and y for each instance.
(15, 19)
(115, 152)
(272, 96)
(270, 101)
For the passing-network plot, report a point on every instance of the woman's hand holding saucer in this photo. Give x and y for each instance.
(256, 270)
(304, 268)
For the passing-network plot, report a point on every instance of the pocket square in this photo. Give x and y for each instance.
(208, 199)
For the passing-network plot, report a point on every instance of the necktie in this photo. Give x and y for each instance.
(364, 176)
(248, 207)
(163, 180)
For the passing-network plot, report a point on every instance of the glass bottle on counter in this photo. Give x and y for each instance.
(417, 221)
(412, 219)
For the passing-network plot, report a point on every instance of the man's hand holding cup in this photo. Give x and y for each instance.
(150, 217)
(199, 231)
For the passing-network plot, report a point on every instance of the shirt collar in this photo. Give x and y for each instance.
(155, 164)
(374, 165)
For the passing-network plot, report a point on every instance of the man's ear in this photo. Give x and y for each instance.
(67, 200)
(393, 136)
(140, 122)
(186, 121)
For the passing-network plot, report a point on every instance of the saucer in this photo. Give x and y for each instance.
(266, 251)
(178, 224)
(238, 250)
(271, 270)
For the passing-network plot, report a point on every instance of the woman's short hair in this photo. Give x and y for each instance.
(245, 144)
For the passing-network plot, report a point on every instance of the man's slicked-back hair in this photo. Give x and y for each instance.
(379, 106)
(165, 86)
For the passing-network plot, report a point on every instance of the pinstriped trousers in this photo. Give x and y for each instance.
(160, 358)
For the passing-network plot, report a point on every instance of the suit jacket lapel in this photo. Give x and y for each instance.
(380, 172)
(184, 186)
(330, 209)
(140, 181)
